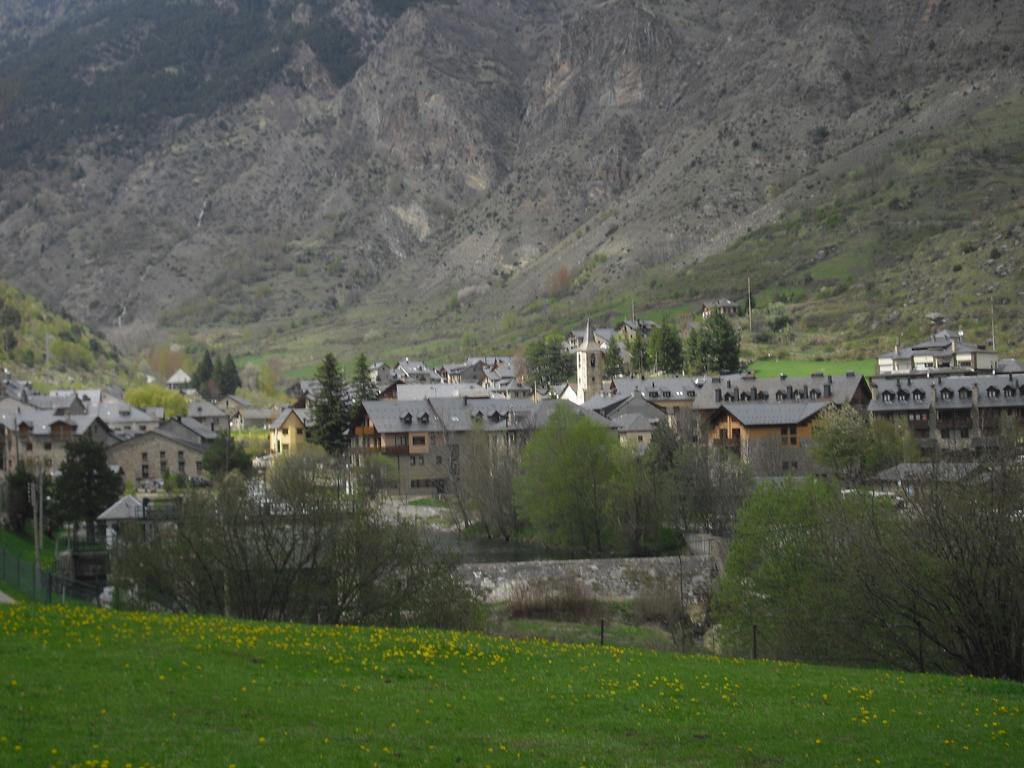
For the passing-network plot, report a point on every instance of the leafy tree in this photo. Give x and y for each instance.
(86, 485)
(854, 447)
(488, 470)
(228, 380)
(665, 348)
(364, 389)
(548, 363)
(928, 578)
(226, 455)
(155, 396)
(568, 472)
(713, 346)
(613, 364)
(780, 576)
(331, 411)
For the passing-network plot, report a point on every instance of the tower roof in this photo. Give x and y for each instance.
(590, 343)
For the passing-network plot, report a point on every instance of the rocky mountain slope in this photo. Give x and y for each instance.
(282, 175)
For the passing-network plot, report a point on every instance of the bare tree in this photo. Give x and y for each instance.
(298, 548)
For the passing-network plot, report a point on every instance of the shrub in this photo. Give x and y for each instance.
(565, 600)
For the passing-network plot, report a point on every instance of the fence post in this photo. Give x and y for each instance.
(602, 631)
(754, 649)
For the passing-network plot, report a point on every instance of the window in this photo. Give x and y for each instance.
(298, 431)
(419, 440)
(199, 467)
(181, 467)
(965, 433)
(28, 447)
(145, 471)
(639, 438)
(412, 461)
(723, 434)
(735, 434)
(788, 435)
(440, 459)
(47, 446)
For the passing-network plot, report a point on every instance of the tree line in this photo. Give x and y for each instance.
(571, 486)
(926, 575)
(711, 346)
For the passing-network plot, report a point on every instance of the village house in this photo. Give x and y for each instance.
(290, 430)
(179, 381)
(146, 459)
(209, 415)
(725, 307)
(943, 351)
(37, 438)
(426, 438)
(951, 412)
(769, 422)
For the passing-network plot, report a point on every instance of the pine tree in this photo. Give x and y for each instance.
(364, 389)
(204, 371)
(638, 355)
(86, 485)
(666, 348)
(613, 365)
(229, 380)
(331, 412)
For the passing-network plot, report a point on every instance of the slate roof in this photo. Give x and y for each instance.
(947, 392)
(205, 410)
(744, 387)
(456, 414)
(664, 388)
(773, 414)
(125, 508)
(945, 471)
(305, 416)
(424, 391)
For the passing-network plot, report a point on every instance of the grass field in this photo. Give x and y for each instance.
(864, 367)
(90, 688)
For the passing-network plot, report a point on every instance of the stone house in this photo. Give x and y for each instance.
(147, 458)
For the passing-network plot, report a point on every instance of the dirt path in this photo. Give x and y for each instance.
(6, 600)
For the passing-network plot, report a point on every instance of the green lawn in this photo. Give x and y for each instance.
(770, 368)
(82, 686)
(22, 546)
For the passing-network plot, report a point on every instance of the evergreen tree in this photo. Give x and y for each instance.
(714, 346)
(86, 485)
(364, 389)
(548, 363)
(203, 372)
(638, 356)
(229, 381)
(613, 365)
(331, 412)
(666, 348)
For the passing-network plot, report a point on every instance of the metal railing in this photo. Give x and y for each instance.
(47, 587)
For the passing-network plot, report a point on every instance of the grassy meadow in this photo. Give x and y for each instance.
(865, 367)
(85, 687)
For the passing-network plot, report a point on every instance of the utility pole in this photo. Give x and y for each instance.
(750, 308)
(992, 308)
(36, 494)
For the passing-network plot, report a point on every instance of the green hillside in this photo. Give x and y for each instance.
(937, 225)
(76, 354)
(87, 687)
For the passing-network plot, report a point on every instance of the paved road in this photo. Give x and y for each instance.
(5, 600)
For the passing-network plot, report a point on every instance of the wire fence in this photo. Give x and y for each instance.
(44, 587)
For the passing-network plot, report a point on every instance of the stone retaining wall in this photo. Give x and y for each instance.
(611, 579)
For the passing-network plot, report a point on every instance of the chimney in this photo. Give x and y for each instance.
(789, 392)
(718, 394)
(828, 389)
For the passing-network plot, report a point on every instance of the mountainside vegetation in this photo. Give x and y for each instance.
(279, 177)
(33, 339)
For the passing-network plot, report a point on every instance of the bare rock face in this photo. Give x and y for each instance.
(380, 160)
